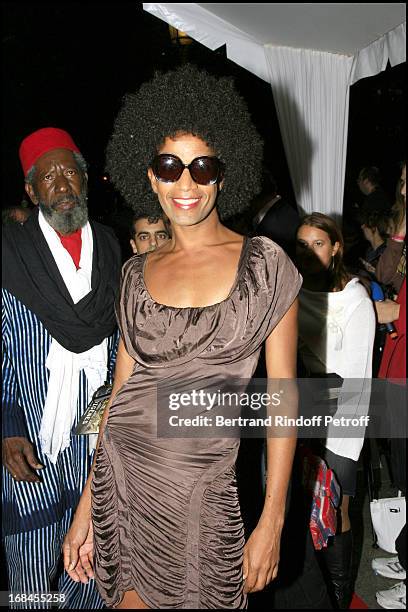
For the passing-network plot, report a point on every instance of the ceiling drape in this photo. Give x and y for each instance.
(311, 95)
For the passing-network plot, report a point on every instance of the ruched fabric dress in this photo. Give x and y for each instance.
(166, 514)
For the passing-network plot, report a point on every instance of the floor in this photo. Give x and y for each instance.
(367, 583)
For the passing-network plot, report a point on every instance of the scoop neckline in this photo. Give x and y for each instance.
(232, 290)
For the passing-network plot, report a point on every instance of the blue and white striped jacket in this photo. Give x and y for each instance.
(26, 342)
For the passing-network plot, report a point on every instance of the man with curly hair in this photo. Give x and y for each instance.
(162, 513)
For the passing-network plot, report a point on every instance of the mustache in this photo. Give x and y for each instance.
(63, 199)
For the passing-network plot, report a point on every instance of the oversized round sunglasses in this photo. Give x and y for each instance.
(204, 170)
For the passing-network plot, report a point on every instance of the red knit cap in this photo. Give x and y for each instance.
(41, 141)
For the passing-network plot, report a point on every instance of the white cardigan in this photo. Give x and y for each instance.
(336, 335)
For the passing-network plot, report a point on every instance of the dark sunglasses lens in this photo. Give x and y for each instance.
(205, 170)
(167, 168)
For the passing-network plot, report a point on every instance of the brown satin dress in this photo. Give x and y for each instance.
(166, 514)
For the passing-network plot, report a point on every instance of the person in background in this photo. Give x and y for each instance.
(148, 233)
(393, 368)
(60, 279)
(376, 201)
(273, 216)
(336, 336)
(391, 266)
(375, 227)
(15, 214)
(369, 183)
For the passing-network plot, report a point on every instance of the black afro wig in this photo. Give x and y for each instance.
(190, 101)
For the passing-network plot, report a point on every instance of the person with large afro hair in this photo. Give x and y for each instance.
(190, 101)
(161, 508)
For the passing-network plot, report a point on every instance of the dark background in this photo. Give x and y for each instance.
(69, 65)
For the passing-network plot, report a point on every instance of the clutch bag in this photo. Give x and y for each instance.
(324, 491)
(91, 419)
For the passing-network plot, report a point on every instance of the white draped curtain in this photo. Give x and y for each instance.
(311, 94)
(373, 59)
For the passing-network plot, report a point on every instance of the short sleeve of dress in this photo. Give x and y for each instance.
(277, 280)
(125, 306)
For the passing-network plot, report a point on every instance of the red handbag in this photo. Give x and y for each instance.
(321, 484)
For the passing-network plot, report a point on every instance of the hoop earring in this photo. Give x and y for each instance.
(332, 264)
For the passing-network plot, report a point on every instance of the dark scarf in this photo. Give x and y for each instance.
(31, 275)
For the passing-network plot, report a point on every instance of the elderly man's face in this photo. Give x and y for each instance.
(148, 236)
(59, 189)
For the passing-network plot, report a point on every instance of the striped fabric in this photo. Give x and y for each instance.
(36, 516)
(34, 566)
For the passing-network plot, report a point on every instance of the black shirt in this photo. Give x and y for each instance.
(376, 200)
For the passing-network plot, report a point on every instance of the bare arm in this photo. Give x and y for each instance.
(387, 311)
(79, 539)
(261, 555)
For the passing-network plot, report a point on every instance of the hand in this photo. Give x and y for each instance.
(387, 311)
(367, 265)
(19, 459)
(78, 550)
(261, 559)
